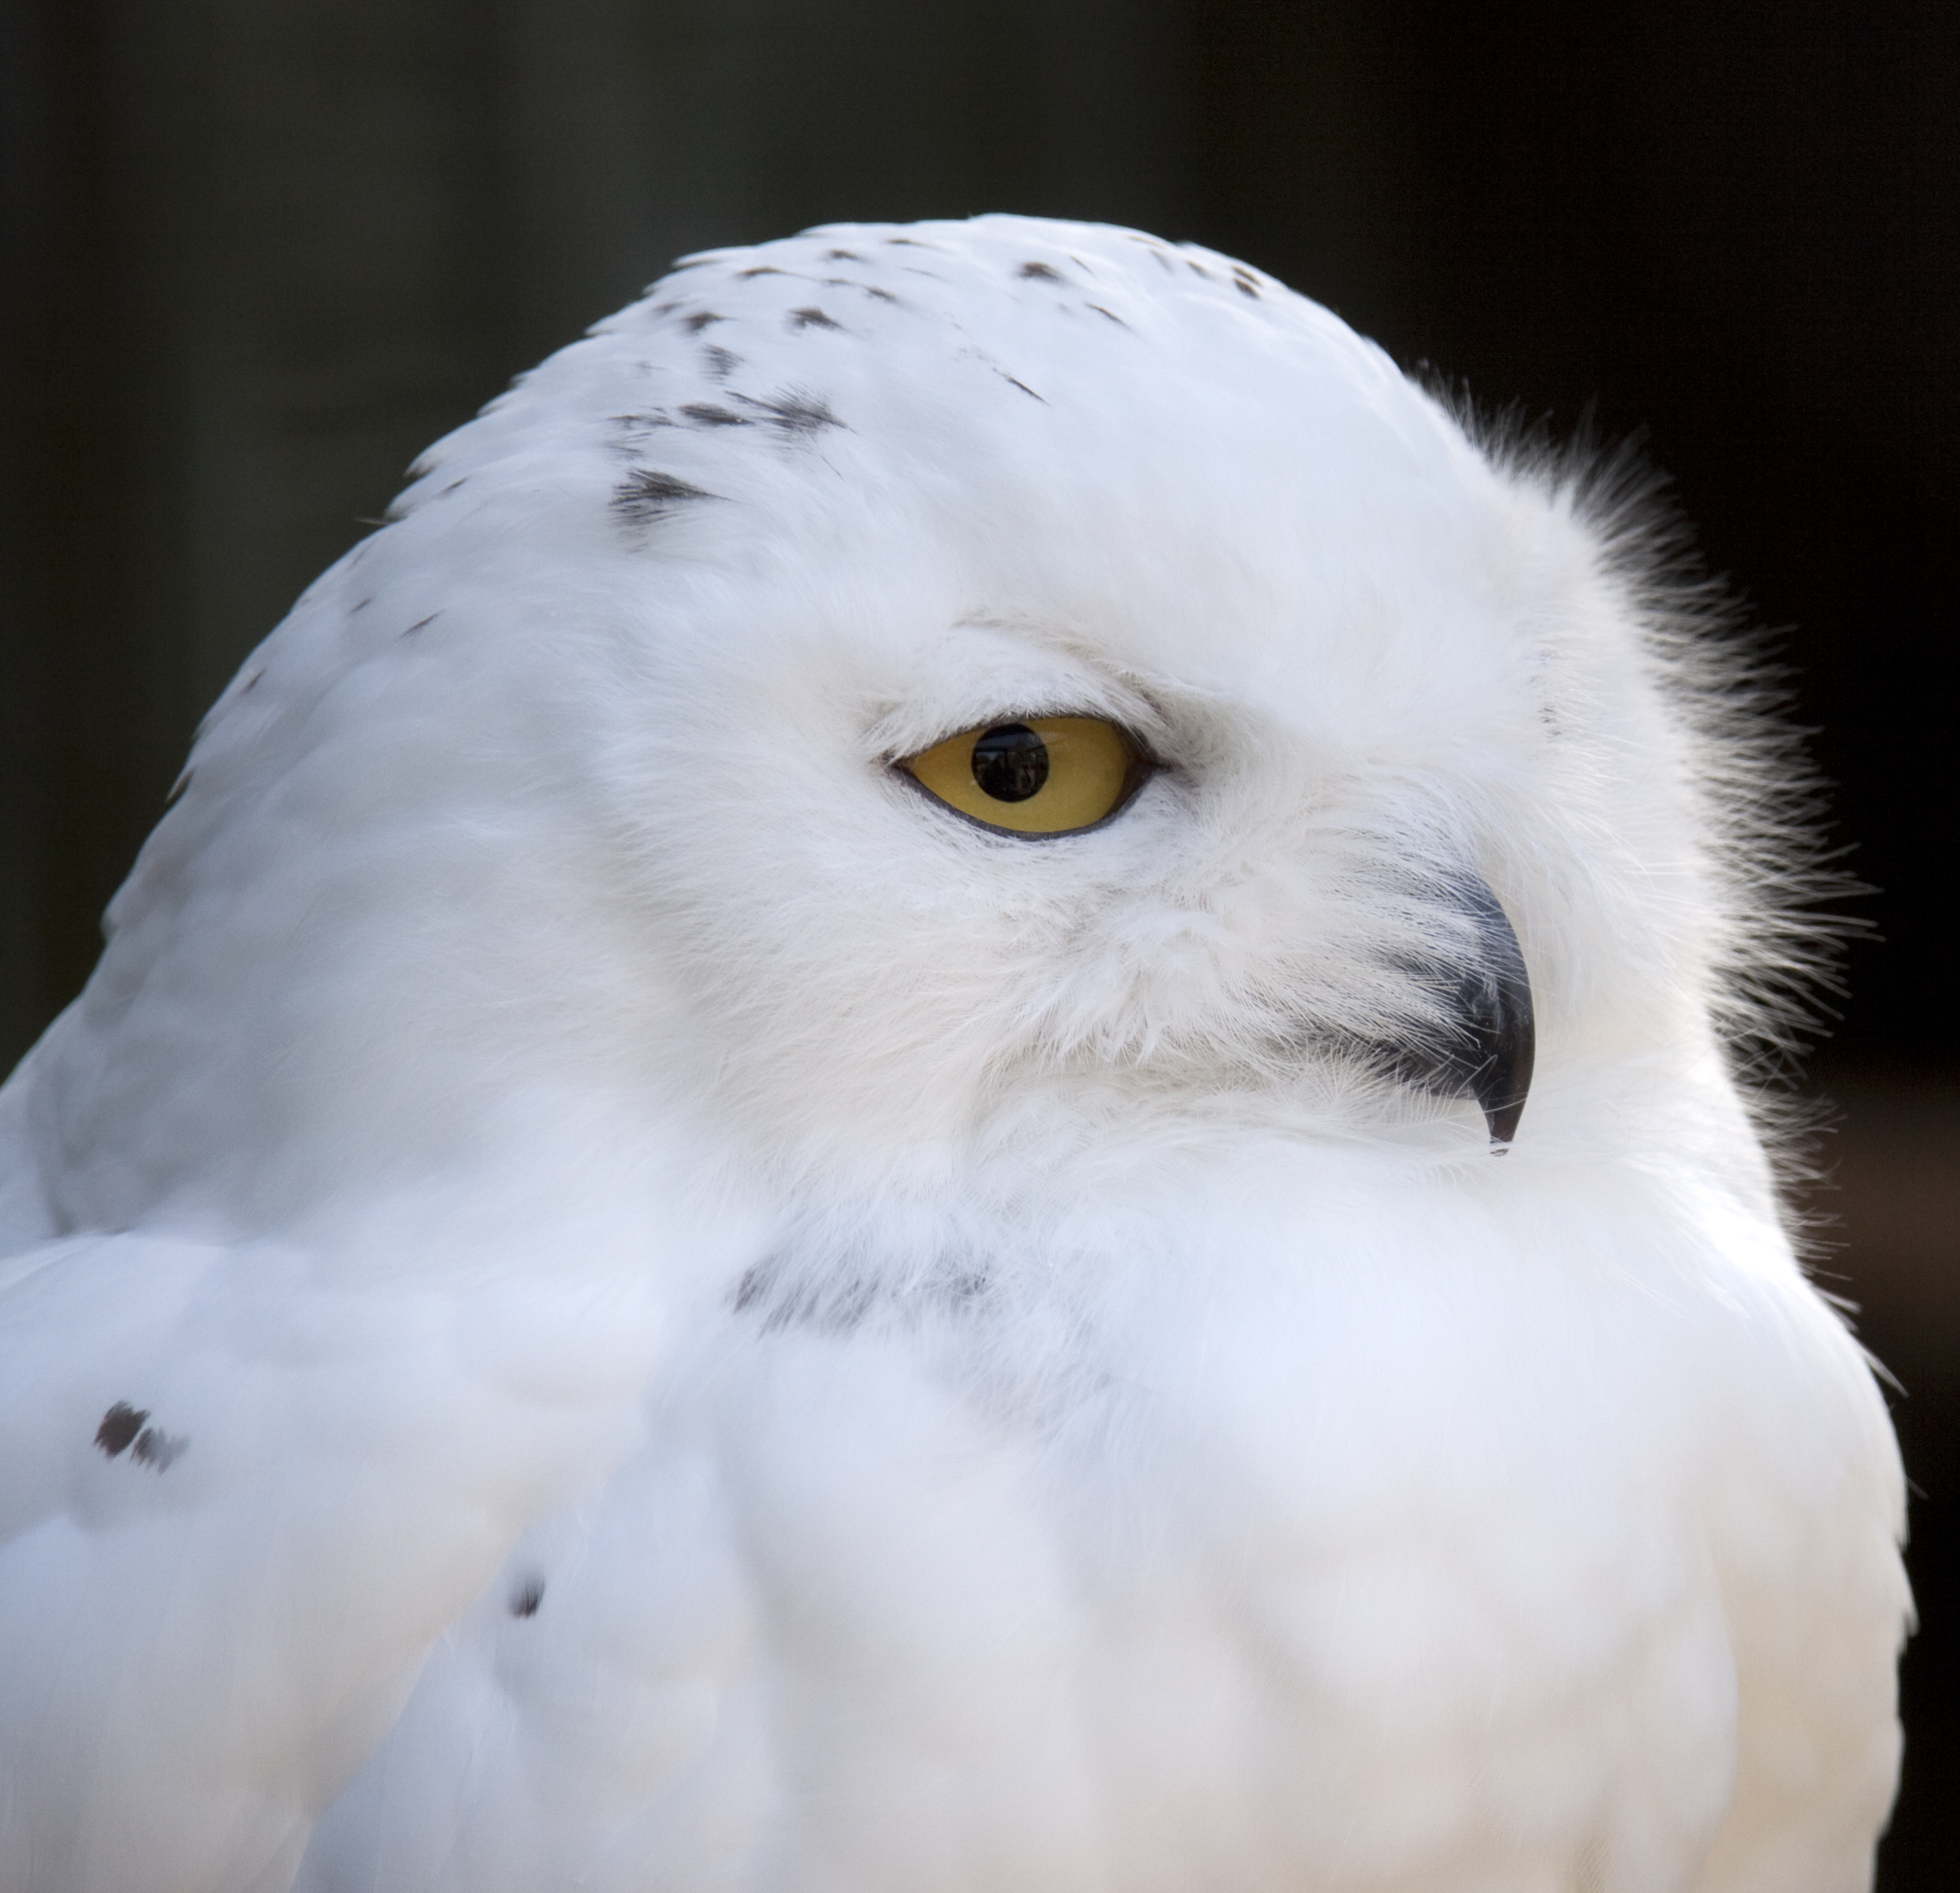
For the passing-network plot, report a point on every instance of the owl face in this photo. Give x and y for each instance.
(682, 734)
(1370, 712)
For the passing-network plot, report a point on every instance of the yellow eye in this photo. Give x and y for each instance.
(1050, 775)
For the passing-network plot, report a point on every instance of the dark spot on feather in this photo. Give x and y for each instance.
(526, 1599)
(158, 1449)
(452, 486)
(869, 289)
(909, 243)
(1247, 282)
(644, 496)
(1111, 313)
(837, 1308)
(846, 1291)
(842, 257)
(1197, 269)
(761, 269)
(360, 604)
(701, 319)
(635, 430)
(252, 682)
(120, 1425)
(720, 363)
(810, 319)
(709, 415)
(420, 622)
(1042, 271)
(177, 790)
(1022, 385)
(797, 416)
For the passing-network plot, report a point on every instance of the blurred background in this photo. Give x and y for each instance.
(256, 253)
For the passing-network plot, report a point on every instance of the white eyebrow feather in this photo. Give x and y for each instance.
(981, 671)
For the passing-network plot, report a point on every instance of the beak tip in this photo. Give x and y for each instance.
(1502, 1119)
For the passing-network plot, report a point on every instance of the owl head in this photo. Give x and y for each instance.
(904, 691)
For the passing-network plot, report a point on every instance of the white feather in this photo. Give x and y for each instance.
(702, 1324)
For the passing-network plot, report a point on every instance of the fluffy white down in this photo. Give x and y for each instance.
(700, 1323)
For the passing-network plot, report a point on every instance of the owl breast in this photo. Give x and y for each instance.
(1270, 1535)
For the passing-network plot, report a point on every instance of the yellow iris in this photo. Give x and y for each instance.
(1049, 775)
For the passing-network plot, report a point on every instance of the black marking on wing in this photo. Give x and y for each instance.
(157, 1449)
(120, 1425)
(635, 432)
(810, 319)
(1042, 270)
(797, 416)
(761, 269)
(526, 1599)
(420, 622)
(452, 486)
(177, 789)
(1247, 282)
(644, 496)
(842, 257)
(721, 363)
(701, 319)
(1022, 385)
(869, 289)
(709, 415)
(1197, 269)
(1110, 313)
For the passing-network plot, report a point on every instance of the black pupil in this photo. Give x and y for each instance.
(1010, 763)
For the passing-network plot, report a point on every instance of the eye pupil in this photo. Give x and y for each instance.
(1010, 762)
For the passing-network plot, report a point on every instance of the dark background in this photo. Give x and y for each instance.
(258, 252)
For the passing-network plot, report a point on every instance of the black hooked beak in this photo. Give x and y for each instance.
(1486, 1050)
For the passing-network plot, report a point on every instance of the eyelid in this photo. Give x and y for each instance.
(1044, 711)
(905, 726)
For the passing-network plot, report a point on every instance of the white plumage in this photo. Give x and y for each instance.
(602, 1293)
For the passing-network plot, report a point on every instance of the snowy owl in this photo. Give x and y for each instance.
(939, 1096)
